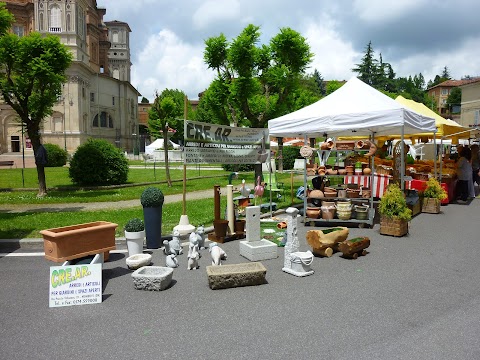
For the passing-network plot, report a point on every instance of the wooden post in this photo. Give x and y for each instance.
(184, 198)
(216, 202)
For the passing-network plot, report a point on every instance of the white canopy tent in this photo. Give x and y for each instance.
(158, 144)
(355, 109)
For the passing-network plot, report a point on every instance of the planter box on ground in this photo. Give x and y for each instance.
(235, 275)
(76, 241)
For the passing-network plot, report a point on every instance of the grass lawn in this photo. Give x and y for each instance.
(29, 224)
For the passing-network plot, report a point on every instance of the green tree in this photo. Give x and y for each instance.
(144, 100)
(455, 98)
(368, 68)
(33, 71)
(320, 82)
(333, 85)
(254, 83)
(167, 111)
(6, 19)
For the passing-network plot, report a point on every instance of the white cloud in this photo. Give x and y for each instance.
(216, 11)
(168, 62)
(334, 57)
(383, 11)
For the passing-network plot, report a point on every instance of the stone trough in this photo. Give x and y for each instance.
(235, 275)
(152, 278)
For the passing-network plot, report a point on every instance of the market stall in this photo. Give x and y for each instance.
(356, 109)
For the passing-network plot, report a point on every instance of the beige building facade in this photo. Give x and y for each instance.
(470, 113)
(98, 100)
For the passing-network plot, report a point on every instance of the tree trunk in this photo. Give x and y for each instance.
(42, 184)
(165, 150)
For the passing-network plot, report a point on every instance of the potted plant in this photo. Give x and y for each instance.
(394, 212)
(152, 201)
(134, 235)
(432, 196)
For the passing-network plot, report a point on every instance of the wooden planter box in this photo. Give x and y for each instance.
(76, 241)
(431, 206)
(393, 227)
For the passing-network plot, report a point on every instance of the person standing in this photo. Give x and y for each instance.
(464, 174)
(475, 164)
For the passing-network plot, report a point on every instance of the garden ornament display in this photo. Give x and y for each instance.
(171, 261)
(201, 237)
(193, 244)
(244, 190)
(192, 262)
(173, 246)
(217, 254)
(259, 189)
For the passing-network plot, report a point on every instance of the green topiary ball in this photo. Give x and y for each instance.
(134, 225)
(289, 154)
(152, 197)
(56, 156)
(98, 162)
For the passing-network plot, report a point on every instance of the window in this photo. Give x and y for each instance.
(113, 100)
(18, 30)
(83, 92)
(57, 124)
(55, 19)
(69, 23)
(444, 101)
(106, 121)
(444, 91)
(115, 37)
(92, 97)
(116, 74)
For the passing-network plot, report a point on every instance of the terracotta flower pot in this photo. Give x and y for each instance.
(313, 212)
(220, 228)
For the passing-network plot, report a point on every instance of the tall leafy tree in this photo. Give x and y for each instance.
(368, 68)
(455, 98)
(320, 82)
(254, 83)
(144, 100)
(166, 112)
(6, 19)
(31, 77)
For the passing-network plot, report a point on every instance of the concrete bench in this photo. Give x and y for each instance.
(7, 163)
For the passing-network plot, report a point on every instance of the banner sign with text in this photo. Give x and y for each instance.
(75, 285)
(211, 143)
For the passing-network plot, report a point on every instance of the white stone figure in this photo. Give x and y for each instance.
(201, 237)
(172, 261)
(295, 262)
(173, 246)
(193, 244)
(217, 254)
(193, 255)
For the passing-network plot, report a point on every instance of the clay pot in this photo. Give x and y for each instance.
(239, 226)
(344, 206)
(342, 171)
(316, 194)
(328, 212)
(360, 144)
(349, 169)
(361, 212)
(321, 172)
(313, 212)
(330, 193)
(367, 171)
(342, 193)
(328, 203)
(332, 172)
(344, 215)
(353, 193)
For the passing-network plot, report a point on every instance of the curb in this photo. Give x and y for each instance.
(37, 243)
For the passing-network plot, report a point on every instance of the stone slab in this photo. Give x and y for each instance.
(258, 250)
(236, 275)
(152, 278)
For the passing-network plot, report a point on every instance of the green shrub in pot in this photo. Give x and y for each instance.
(152, 197)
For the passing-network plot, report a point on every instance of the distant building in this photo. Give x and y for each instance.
(98, 100)
(439, 93)
(470, 113)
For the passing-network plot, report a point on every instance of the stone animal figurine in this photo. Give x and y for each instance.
(173, 246)
(193, 244)
(171, 261)
(201, 237)
(217, 254)
(192, 262)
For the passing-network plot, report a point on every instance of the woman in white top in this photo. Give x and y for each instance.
(464, 174)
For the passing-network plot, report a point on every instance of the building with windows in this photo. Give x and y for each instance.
(98, 100)
(439, 93)
(470, 113)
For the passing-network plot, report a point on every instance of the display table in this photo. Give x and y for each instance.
(380, 182)
(420, 185)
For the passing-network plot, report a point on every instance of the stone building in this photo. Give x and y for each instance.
(98, 100)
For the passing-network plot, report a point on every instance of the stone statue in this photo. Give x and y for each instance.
(172, 261)
(173, 246)
(193, 254)
(201, 237)
(217, 254)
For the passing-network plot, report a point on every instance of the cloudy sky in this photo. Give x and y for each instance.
(415, 36)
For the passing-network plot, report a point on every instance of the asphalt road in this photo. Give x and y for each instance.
(415, 297)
